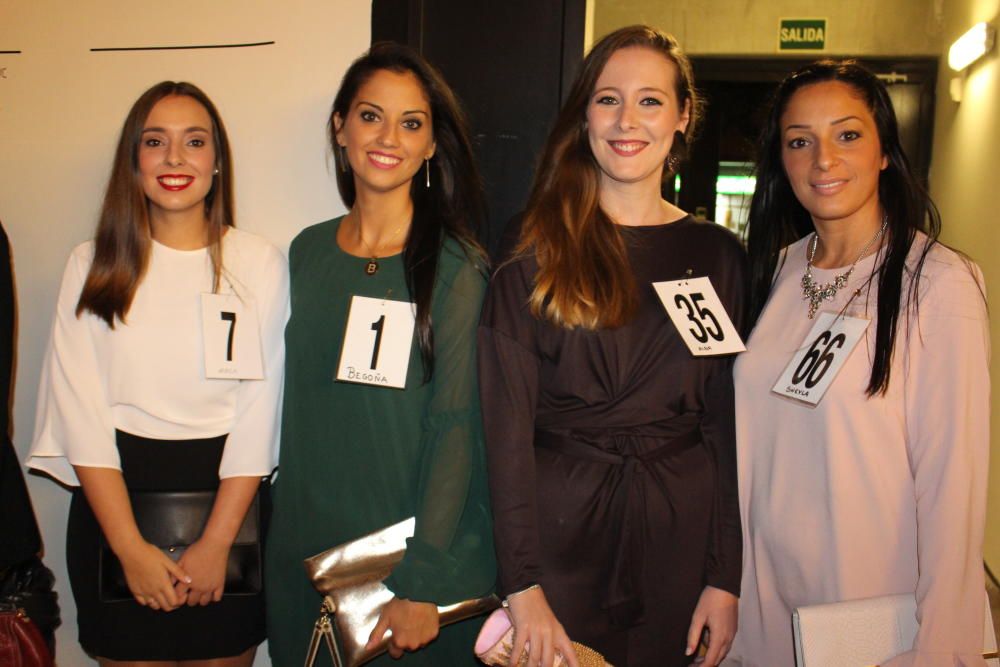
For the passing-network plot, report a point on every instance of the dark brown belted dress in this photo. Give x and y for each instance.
(612, 452)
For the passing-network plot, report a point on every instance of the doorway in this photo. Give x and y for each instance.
(717, 182)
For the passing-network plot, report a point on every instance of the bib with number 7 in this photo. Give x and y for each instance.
(377, 342)
(231, 338)
(820, 357)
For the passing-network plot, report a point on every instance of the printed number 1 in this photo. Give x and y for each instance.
(231, 318)
(377, 328)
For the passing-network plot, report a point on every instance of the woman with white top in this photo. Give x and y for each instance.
(164, 376)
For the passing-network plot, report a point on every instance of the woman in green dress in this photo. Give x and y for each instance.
(381, 419)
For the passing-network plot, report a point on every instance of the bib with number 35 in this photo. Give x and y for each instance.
(231, 338)
(377, 342)
(700, 318)
(820, 357)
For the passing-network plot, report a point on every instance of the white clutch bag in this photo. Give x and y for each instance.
(865, 633)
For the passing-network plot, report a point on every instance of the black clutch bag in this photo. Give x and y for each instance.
(174, 520)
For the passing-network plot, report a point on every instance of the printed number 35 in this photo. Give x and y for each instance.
(702, 332)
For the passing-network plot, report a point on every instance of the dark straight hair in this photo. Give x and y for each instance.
(122, 241)
(777, 219)
(453, 205)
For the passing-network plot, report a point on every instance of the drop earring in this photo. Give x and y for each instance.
(427, 170)
(343, 159)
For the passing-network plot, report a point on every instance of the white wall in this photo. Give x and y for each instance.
(61, 108)
(964, 183)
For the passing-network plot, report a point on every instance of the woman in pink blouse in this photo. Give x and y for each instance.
(862, 401)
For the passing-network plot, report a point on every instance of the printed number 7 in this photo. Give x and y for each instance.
(231, 318)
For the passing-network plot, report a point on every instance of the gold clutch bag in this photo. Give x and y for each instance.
(349, 577)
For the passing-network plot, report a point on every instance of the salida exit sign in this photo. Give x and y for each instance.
(802, 35)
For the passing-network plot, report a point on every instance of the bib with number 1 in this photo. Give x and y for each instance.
(231, 337)
(377, 342)
(821, 356)
(699, 316)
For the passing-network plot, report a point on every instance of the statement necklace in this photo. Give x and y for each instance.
(371, 268)
(817, 294)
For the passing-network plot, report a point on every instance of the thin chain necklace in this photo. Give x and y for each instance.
(817, 294)
(371, 268)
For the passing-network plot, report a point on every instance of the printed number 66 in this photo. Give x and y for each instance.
(815, 364)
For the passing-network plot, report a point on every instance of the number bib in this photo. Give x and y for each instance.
(816, 363)
(231, 338)
(377, 342)
(699, 316)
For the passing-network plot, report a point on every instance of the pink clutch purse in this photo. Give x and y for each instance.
(496, 641)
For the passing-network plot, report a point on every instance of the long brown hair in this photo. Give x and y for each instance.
(122, 241)
(583, 274)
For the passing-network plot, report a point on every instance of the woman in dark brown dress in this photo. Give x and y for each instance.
(611, 447)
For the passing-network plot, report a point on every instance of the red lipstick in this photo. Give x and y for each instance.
(174, 182)
(627, 148)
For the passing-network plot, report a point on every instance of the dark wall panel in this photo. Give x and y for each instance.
(509, 63)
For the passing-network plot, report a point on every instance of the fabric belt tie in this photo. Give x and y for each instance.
(623, 600)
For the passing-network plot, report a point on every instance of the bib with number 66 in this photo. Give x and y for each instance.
(231, 338)
(816, 363)
(377, 342)
(699, 316)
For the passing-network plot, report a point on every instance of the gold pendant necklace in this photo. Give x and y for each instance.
(371, 267)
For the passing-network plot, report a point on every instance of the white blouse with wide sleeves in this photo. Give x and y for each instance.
(147, 375)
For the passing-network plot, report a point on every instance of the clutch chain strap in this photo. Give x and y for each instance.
(323, 632)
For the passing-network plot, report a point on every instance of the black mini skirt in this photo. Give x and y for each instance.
(125, 630)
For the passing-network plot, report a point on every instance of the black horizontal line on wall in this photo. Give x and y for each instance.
(8, 53)
(182, 48)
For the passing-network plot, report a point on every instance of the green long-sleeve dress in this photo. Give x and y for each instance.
(356, 458)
